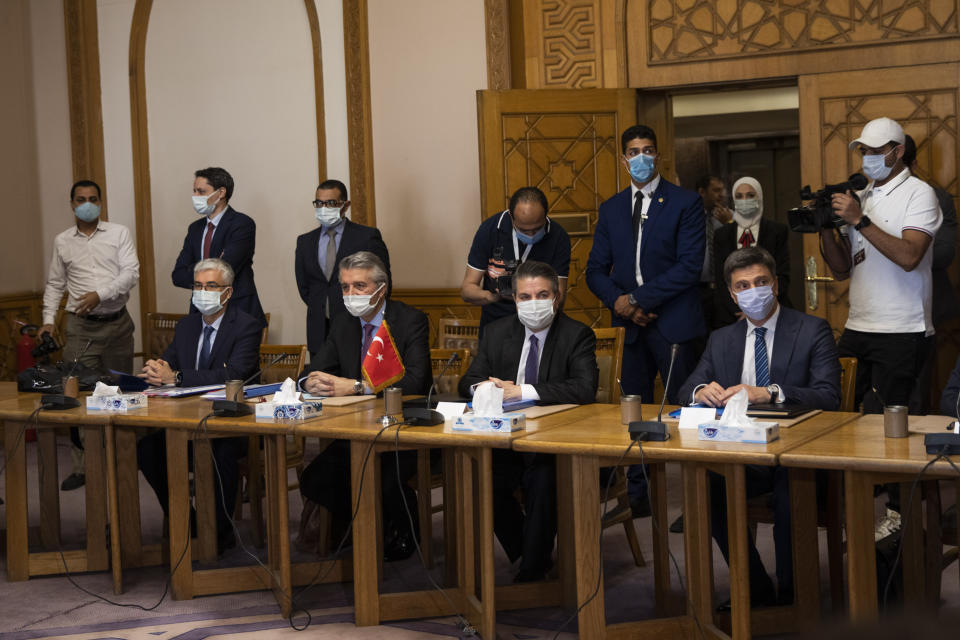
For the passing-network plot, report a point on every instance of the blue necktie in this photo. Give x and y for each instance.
(204, 361)
(533, 357)
(760, 357)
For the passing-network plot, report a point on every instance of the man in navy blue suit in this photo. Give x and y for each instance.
(645, 267)
(778, 355)
(222, 233)
(318, 256)
(219, 343)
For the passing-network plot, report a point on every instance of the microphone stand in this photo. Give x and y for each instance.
(427, 417)
(655, 430)
(60, 401)
(236, 408)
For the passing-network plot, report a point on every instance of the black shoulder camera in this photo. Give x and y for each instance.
(819, 213)
(504, 282)
(47, 346)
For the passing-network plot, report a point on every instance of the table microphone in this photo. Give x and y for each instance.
(655, 430)
(59, 401)
(427, 417)
(236, 408)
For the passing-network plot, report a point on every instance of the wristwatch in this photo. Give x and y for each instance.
(774, 391)
(178, 378)
(358, 388)
(865, 221)
(631, 299)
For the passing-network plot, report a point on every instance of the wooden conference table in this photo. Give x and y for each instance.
(583, 447)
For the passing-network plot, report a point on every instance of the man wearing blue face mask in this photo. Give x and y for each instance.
(503, 242)
(778, 355)
(95, 262)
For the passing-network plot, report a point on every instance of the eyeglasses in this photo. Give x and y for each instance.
(328, 203)
(209, 286)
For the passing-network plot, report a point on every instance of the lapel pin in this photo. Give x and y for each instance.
(660, 200)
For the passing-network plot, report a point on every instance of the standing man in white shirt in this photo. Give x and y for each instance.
(95, 262)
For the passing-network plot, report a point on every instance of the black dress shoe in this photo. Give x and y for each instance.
(756, 602)
(400, 547)
(677, 525)
(73, 481)
(640, 507)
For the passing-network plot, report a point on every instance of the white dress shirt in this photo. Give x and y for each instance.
(215, 221)
(213, 336)
(527, 391)
(647, 190)
(105, 262)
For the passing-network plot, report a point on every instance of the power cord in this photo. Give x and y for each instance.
(464, 625)
(33, 417)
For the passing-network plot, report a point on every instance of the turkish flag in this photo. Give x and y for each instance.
(382, 365)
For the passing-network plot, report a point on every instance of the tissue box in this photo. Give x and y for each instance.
(759, 433)
(117, 403)
(298, 411)
(504, 423)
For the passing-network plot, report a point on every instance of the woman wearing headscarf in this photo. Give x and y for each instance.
(748, 229)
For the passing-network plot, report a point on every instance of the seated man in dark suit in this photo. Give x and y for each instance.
(538, 354)
(778, 355)
(336, 371)
(219, 343)
(318, 253)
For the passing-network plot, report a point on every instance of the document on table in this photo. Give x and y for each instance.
(338, 401)
(249, 391)
(171, 391)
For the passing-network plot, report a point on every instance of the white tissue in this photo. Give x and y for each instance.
(288, 393)
(488, 399)
(105, 390)
(735, 411)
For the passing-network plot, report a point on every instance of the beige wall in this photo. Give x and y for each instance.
(427, 60)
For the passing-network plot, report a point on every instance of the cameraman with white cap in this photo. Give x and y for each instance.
(885, 250)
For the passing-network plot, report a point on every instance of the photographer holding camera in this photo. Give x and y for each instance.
(504, 241)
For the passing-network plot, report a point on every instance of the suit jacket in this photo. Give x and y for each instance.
(671, 260)
(235, 354)
(945, 306)
(804, 362)
(568, 365)
(774, 237)
(234, 241)
(314, 287)
(340, 353)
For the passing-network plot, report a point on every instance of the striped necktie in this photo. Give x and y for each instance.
(760, 357)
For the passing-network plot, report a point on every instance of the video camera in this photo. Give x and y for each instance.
(504, 282)
(819, 213)
(47, 346)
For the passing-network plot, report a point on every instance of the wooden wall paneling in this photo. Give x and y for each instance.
(691, 42)
(14, 309)
(359, 111)
(314, 21)
(497, 25)
(437, 303)
(83, 82)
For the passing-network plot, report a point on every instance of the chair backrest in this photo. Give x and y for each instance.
(158, 334)
(439, 359)
(266, 330)
(288, 367)
(848, 379)
(609, 352)
(459, 333)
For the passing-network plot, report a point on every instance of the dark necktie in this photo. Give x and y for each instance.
(637, 216)
(760, 357)
(746, 239)
(204, 361)
(207, 239)
(367, 339)
(533, 358)
(330, 260)
(708, 251)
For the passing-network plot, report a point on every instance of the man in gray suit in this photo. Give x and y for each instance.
(778, 355)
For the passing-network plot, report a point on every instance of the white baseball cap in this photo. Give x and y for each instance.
(879, 132)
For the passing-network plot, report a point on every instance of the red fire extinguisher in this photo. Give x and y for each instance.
(25, 360)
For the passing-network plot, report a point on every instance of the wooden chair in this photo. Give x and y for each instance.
(251, 467)
(158, 334)
(609, 352)
(425, 481)
(459, 333)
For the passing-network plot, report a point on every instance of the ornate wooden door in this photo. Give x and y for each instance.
(567, 143)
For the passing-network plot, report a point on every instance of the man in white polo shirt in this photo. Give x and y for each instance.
(885, 250)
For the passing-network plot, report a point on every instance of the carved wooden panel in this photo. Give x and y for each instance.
(700, 29)
(438, 303)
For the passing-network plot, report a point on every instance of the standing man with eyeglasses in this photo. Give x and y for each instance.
(224, 233)
(645, 267)
(319, 253)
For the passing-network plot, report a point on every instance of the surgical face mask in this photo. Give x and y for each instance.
(88, 212)
(747, 207)
(756, 302)
(531, 239)
(200, 205)
(207, 302)
(535, 314)
(642, 167)
(875, 166)
(328, 216)
(359, 305)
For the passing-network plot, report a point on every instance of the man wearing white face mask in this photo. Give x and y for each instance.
(778, 355)
(222, 232)
(751, 229)
(319, 252)
(219, 343)
(336, 371)
(538, 354)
